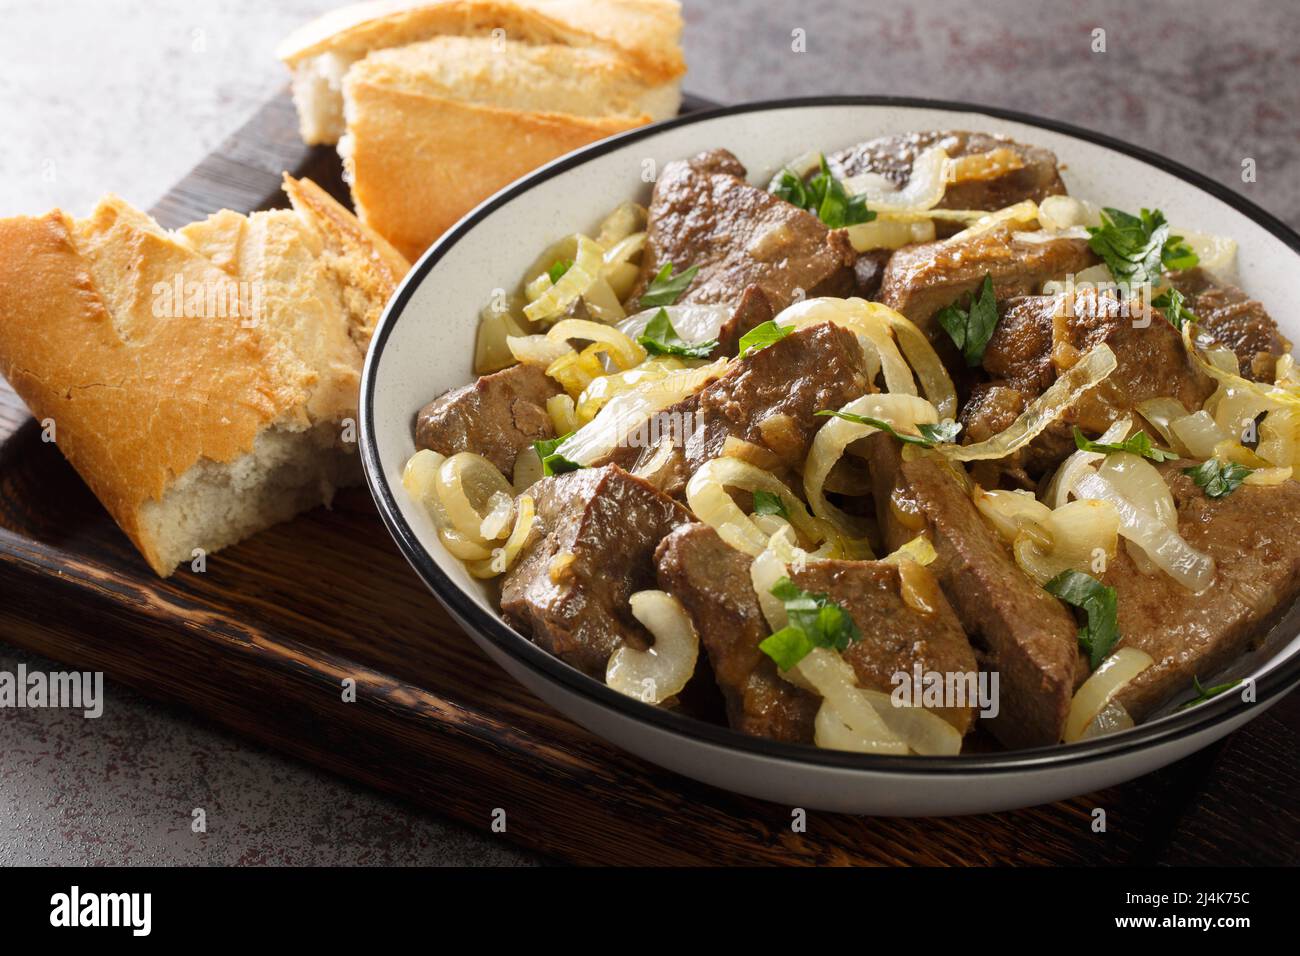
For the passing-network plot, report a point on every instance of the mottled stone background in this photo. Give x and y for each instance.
(100, 95)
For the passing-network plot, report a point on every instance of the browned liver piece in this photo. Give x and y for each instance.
(577, 608)
(1035, 177)
(496, 417)
(1253, 534)
(1019, 629)
(712, 581)
(921, 279)
(703, 213)
(1235, 320)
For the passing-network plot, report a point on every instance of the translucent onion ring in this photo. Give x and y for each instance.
(1106, 681)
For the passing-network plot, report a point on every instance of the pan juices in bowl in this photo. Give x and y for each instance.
(500, 241)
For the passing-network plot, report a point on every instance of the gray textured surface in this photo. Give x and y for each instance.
(100, 95)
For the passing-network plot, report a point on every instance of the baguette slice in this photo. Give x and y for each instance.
(436, 127)
(197, 380)
(645, 33)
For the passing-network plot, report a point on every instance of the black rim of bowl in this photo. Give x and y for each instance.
(1275, 683)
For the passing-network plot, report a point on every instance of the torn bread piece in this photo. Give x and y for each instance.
(201, 381)
(645, 34)
(435, 128)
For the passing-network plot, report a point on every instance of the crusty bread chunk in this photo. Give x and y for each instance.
(644, 33)
(434, 128)
(203, 382)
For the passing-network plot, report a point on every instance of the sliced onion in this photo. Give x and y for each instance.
(1279, 438)
(536, 349)
(981, 167)
(563, 413)
(1106, 681)
(419, 478)
(528, 468)
(1110, 720)
(624, 351)
(924, 731)
(624, 220)
(924, 190)
(1269, 476)
(709, 500)
(1075, 531)
(631, 410)
(1090, 371)
(1094, 277)
(1191, 568)
(1023, 212)
(1215, 254)
(492, 345)
(693, 323)
(496, 523)
(602, 389)
(553, 301)
(835, 680)
(664, 669)
(1198, 433)
(466, 484)
(504, 557)
(1162, 413)
(1059, 213)
(883, 233)
(903, 412)
(1273, 396)
(1010, 512)
(1062, 483)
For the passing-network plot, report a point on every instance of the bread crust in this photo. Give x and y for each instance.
(419, 162)
(149, 357)
(646, 32)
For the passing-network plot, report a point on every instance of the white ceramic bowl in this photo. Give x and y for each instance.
(425, 344)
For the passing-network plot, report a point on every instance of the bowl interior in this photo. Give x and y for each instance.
(425, 344)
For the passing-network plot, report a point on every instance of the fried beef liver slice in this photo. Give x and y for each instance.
(577, 607)
(703, 213)
(1253, 534)
(921, 279)
(1025, 634)
(712, 581)
(496, 417)
(771, 397)
(1031, 173)
(1235, 320)
(896, 637)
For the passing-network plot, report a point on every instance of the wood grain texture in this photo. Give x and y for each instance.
(262, 640)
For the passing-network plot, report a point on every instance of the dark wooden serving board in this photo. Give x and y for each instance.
(261, 641)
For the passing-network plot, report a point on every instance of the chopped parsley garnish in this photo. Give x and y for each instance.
(815, 621)
(1099, 635)
(558, 269)
(1139, 444)
(970, 329)
(1137, 248)
(660, 338)
(665, 288)
(768, 503)
(823, 195)
(1174, 306)
(1218, 478)
(761, 336)
(1208, 693)
(554, 463)
(944, 432)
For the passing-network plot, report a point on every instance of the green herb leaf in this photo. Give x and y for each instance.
(787, 647)
(1218, 478)
(558, 269)
(1099, 636)
(942, 433)
(970, 329)
(1136, 248)
(761, 336)
(1139, 444)
(554, 463)
(1208, 693)
(931, 435)
(823, 195)
(660, 338)
(768, 503)
(665, 288)
(1173, 304)
(819, 621)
